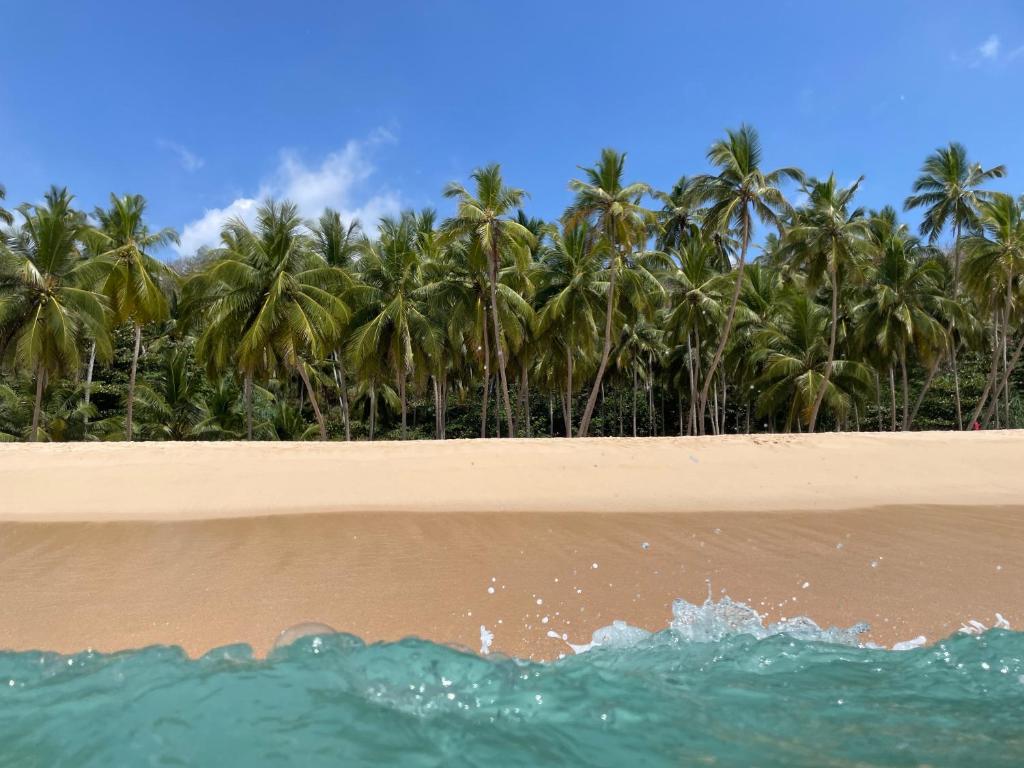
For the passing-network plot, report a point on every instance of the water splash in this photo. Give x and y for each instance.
(718, 686)
(713, 621)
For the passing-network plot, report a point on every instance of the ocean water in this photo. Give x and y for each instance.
(717, 688)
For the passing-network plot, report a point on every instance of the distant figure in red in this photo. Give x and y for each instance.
(976, 426)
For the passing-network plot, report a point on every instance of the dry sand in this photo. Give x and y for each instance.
(115, 546)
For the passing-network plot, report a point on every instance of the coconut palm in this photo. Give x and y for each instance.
(269, 302)
(903, 304)
(994, 271)
(485, 214)
(680, 214)
(613, 208)
(392, 327)
(794, 355)
(48, 305)
(138, 284)
(338, 245)
(827, 238)
(5, 215)
(738, 194)
(948, 189)
(695, 290)
(570, 278)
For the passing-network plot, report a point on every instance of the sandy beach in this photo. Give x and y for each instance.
(114, 546)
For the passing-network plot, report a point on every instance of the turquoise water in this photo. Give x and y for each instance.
(716, 688)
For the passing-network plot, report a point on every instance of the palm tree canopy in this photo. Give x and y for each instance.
(740, 186)
(138, 283)
(49, 304)
(948, 190)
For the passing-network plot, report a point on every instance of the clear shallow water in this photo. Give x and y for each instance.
(716, 688)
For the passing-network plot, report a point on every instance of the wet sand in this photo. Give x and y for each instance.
(115, 546)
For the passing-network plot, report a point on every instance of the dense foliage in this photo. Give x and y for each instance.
(720, 306)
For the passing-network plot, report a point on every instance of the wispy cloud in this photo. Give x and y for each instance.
(990, 52)
(339, 181)
(188, 159)
(990, 48)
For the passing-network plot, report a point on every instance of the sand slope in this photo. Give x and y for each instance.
(114, 546)
(116, 481)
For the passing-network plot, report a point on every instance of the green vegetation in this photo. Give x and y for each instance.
(721, 306)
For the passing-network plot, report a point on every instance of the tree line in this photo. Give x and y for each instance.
(742, 300)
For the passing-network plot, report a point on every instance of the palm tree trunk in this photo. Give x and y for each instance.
(301, 369)
(892, 395)
(952, 341)
(924, 390)
(606, 351)
(878, 399)
(444, 407)
(339, 378)
(527, 426)
(709, 375)
(1003, 384)
(88, 382)
(568, 390)
(1006, 338)
(691, 370)
(247, 396)
(714, 413)
(634, 401)
(38, 406)
(131, 384)
(437, 407)
(905, 425)
(373, 410)
(551, 415)
(823, 387)
(992, 373)
(956, 384)
(487, 378)
(401, 396)
(497, 408)
(498, 337)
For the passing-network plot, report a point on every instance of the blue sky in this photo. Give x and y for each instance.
(205, 106)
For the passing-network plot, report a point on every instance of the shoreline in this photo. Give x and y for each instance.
(114, 546)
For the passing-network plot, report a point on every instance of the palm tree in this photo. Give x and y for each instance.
(738, 194)
(138, 283)
(794, 356)
(338, 244)
(48, 305)
(948, 188)
(695, 292)
(484, 215)
(902, 304)
(269, 301)
(827, 238)
(994, 270)
(391, 327)
(5, 215)
(680, 215)
(613, 207)
(570, 291)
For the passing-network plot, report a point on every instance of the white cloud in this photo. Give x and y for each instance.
(206, 229)
(990, 53)
(990, 48)
(188, 159)
(339, 181)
